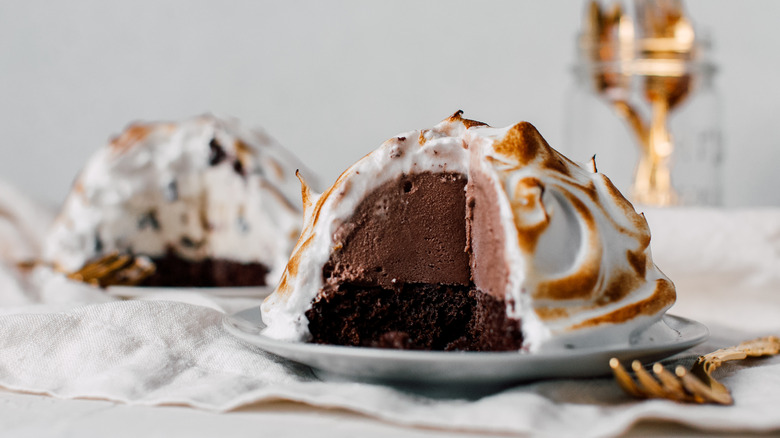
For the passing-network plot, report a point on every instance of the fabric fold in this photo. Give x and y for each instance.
(170, 353)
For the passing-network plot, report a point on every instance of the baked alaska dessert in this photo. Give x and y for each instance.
(467, 237)
(207, 202)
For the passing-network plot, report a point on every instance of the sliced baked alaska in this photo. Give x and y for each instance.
(208, 202)
(467, 237)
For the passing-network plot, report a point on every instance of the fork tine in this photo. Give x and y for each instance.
(670, 383)
(649, 384)
(700, 391)
(624, 380)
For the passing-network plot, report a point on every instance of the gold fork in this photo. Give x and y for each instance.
(696, 385)
(115, 269)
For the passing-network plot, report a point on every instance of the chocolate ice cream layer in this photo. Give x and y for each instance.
(410, 230)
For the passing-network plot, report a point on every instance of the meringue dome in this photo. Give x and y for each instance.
(212, 204)
(468, 237)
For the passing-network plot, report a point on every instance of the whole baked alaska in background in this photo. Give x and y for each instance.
(199, 203)
(467, 237)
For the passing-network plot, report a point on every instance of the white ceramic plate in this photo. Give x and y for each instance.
(404, 367)
(226, 292)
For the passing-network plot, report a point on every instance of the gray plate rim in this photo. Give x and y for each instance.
(363, 363)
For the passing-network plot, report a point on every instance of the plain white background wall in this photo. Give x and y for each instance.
(333, 79)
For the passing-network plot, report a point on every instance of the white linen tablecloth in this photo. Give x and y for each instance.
(72, 341)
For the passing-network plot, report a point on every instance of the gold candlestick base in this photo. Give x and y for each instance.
(652, 183)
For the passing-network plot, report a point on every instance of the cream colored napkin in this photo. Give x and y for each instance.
(724, 263)
(156, 352)
(70, 340)
(741, 247)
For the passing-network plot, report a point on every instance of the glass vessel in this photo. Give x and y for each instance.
(647, 108)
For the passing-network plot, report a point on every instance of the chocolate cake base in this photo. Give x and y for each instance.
(174, 271)
(416, 317)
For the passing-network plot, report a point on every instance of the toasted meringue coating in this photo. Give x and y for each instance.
(202, 188)
(574, 263)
